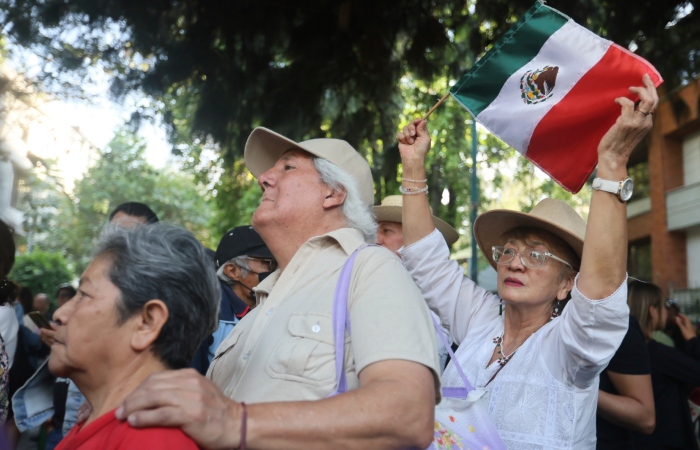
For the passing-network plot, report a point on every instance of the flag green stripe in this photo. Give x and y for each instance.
(482, 83)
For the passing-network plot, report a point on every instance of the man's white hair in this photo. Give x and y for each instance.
(357, 214)
(240, 261)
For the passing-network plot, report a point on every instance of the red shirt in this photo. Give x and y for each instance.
(107, 433)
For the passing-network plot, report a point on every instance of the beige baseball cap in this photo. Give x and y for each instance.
(265, 147)
(391, 209)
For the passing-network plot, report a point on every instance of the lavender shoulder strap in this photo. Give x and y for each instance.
(341, 321)
(453, 392)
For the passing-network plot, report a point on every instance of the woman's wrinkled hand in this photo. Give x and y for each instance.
(414, 141)
(631, 126)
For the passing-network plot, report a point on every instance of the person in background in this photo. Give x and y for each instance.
(242, 261)
(672, 330)
(390, 235)
(9, 326)
(42, 304)
(65, 292)
(673, 371)
(7, 260)
(147, 298)
(133, 212)
(626, 398)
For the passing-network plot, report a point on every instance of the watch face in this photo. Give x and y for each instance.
(626, 189)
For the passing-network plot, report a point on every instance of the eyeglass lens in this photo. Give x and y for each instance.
(531, 259)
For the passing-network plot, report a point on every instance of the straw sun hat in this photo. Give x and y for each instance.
(390, 211)
(554, 216)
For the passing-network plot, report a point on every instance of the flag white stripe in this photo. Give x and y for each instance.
(523, 117)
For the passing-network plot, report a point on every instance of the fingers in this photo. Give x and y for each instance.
(421, 127)
(180, 389)
(648, 97)
(409, 133)
(169, 416)
(682, 320)
(649, 84)
(626, 105)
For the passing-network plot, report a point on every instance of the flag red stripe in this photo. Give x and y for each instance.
(564, 143)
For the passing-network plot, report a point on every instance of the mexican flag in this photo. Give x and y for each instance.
(547, 89)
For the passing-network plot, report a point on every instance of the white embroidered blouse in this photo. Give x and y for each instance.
(546, 396)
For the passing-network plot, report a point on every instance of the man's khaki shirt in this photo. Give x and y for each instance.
(284, 349)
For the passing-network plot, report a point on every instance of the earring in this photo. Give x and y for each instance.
(500, 308)
(556, 312)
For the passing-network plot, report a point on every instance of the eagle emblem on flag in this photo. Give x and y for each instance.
(538, 85)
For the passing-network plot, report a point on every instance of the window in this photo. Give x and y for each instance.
(639, 259)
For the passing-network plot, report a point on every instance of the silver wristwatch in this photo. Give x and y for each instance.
(622, 189)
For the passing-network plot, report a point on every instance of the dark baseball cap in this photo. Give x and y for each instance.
(240, 241)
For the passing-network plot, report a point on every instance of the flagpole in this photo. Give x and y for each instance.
(436, 105)
(474, 188)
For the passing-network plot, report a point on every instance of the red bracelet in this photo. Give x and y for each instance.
(244, 420)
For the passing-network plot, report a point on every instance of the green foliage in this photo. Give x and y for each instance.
(122, 174)
(41, 271)
(352, 70)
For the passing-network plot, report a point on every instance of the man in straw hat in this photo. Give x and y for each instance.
(280, 358)
(390, 228)
(537, 365)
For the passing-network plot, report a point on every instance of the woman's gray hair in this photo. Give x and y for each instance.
(167, 263)
(241, 262)
(357, 214)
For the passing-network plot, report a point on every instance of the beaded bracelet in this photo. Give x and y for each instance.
(413, 191)
(415, 181)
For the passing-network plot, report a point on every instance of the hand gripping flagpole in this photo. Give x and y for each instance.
(436, 105)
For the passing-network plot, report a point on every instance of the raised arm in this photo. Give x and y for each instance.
(604, 259)
(414, 143)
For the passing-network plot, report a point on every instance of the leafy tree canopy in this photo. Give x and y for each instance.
(71, 225)
(309, 68)
(41, 271)
(346, 69)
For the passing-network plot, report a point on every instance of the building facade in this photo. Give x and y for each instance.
(664, 217)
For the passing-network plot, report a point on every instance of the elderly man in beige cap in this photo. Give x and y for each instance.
(281, 358)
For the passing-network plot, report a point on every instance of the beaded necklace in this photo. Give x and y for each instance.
(503, 360)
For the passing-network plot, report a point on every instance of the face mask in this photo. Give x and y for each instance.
(263, 275)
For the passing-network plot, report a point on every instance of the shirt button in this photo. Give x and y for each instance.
(316, 328)
(269, 312)
(246, 356)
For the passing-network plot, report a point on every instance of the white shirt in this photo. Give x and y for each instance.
(8, 330)
(546, 396)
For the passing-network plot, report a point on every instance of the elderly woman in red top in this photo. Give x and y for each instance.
(145, 303)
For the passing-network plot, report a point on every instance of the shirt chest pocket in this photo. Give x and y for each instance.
(306, 353)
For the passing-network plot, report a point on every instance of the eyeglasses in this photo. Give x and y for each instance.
(270, 265)
(532, 259)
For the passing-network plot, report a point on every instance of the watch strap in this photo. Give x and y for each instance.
(606, 185)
